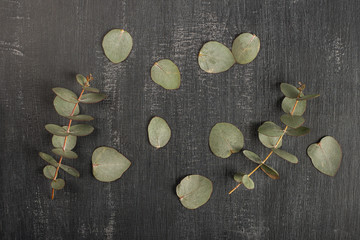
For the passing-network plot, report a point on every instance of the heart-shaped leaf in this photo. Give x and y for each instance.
(272, 173)
(252, 156)
(269, 142)
(56, 130)
(245, 48)
(225, 139)
(92, 97)
(292, 121)
(66, 154)
(308, 97)
(285, 155)
(81, 130)
(81, 79)
(289, 90)
(81, 118)
(58, 184)
(64, 108)
(270, 129)
(108, 164)
(288, 104)
(58, 141)
(300, 131)
(70, 170)
(49, 171)
(326, 155)
(194, 191)
(166, 74)
(117, 45)
(48, 159)
(91, 89)
(159, 132)
(66, 94)
(214, 57)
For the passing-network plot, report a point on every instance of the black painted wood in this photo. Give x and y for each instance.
(43, 44)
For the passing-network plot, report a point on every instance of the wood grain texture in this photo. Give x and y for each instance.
(43, 44)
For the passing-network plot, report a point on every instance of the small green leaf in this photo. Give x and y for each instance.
(248, 182)
(56, 130)
(81, 118)
(288, 104)
(292, 121)
(117, 45)
(300, 131)
(252, 156)
(92, 97)
(225, 139)
(159, 132)
(48, 159)
(70, 170)
(58, 184)
(272, 173)
(245, 48)
(270, 129)
(66, 154)
(81, 130)
(308, 97)
(269, 142)
(285, 155)
(214, 57)
(289, 90)
(108, 164)
(91, 89)
(64, 108)
(194, 191)
(166, 74)
(66, 94)
(326, 155)
(238, 177)
(81, 79)
(58, 141)
(49, 171)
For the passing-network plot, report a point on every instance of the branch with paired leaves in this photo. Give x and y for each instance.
(64, 138)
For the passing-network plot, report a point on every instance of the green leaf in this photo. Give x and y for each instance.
(58, 184)
(58, 141)
(66, 154)
(56, 130)
(285, 155)
(214, 57)
(81, 79)
(70, 170)
(64, 108)
(194, 191)
(326, 155)
(252, 156)
(166, 74)
(308, 97)
(289, 90)
(272, 173)
(49, 171)
(288, 104)
(66, 94)
(159, 132)
(81, 130)
(269, 142)
(48, 159)
(270, 129)
(292, 121)
(81, 118)
(92, 97)
(117, 45)
(248, 182)
(300, 131)
(91, 89)
(108, 164)
(245, 48)
(238, 177)
(225, 139)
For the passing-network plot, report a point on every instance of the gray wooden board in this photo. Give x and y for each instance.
(43, 44)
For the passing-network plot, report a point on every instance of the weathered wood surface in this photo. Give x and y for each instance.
(43, 44)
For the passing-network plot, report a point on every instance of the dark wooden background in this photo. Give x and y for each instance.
(43, 44)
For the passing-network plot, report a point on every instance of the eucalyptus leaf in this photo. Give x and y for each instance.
(166, 74)
(214, 57)
(252, 156)
(285, 155)
(238, 177)
(326, 155)
(288, 104)
(194, 191)
(70, 170)
(81, 79)
(117, 45)
(66, 94)
(49, 171)
(159, 132)
(108, 164)
(66, 154)
(81, 118)
(269, 142)
(48, 159)
(58, 141)
(248, 182)
(245, 48)
(58, 184)
(270, 129)
(292, 121)
(56, 130)
(272, 173)
(64, 108)
(225, 139)
(289, 90)
(300, 131)
(308, 97)
(81, 130)
(92, 89)
(92, 97)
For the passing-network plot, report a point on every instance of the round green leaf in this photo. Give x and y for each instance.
(92, 97)
(194, 191)
(48, 159)
(248, 182)
(91, 89)
(64, 108)
(166, 74)
(81, 130)
(269, 142)
(159, 132)
(117, 45)
(58, 184)
(308, 97)
(245, 48)
(300, 131)
(108, 164)
(289, 90)
(81, 118)
(285, 155)
(252, 156)
(238, 177)
(272, 173)
(214, 57)
(56, 130)
(49, 171)
(65, 154)
(58, 141)
(326, 155)
(270, 129)
(70, 170)
(292, 121)
(225, 139)
(66, 94)
(81, 79)
(288, 104)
